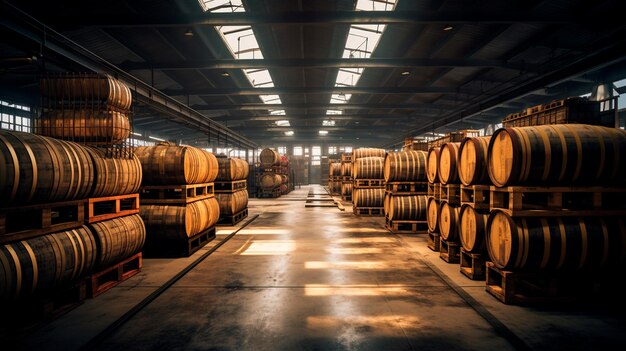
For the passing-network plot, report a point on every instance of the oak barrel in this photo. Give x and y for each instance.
(473, 228)
(346, 169)
(407, 208)
(386, 203)
(87, 88)
(449, 222)
(114, 176)
(164, 222)
(559, 154)
(231, 169)
(270, 181)
(367, 152)
(85, 126)
(448, 156)
(472, 163)
(284, 161)
(368, 197)
(432, 215)
(346, 189)
(232, 203)
(405, 166)
(556, 243)
(432, 165)
(368, 168)
(118, 239)
(166, 164)
(334, 169)
(41, 169)
(45, 263)
(269, 158)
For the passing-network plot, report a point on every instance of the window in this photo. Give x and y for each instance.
(13, 117)
(315, 161)
(306, 151)
(297, 150)
(140, 142)
(347, 148)
(282, 150)
(332, 150)
(317, 151)
(209, 149)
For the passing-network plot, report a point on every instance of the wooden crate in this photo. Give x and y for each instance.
(104, 208)
(450, 193)
(23, 222)
(368, 211)
(454, 137)
(449, 251)
(434, 241)
(179, 248)
(175, 194)
(230, 187)
(104, 280)
(476, 196)
(570, 110)
(406, 227)
(234, 219)
(472, 265)
(407, 188)
(434, 190)
(369, 183)
(525, 201)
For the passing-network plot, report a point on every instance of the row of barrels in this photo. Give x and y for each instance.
(560, 154)
(40, 265)
(87, 88)
(167, 223)
(39, 169)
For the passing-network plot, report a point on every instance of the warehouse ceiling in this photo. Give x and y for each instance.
(344, 71)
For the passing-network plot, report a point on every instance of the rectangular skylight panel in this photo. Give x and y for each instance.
(260, 78)
(334, 112)
(375, 5)
(340, 98)
(222, 5)
(283, 123)
(270, 99)
(277, 112)
(328, 123)
(347, 79)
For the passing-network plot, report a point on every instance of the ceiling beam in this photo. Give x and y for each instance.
(311, 90)
(261, 106)
(322, 63)
(318, 117)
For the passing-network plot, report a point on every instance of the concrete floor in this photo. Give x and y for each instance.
(317, 278)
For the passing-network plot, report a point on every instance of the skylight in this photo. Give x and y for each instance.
(289, 133)
(283, 123)
(323, 132)
(277, 112)
(361, 42)
(328, 123)
(334, 112)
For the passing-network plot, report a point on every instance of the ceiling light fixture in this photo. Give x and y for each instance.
(448, 28)
(225, 74)
(188, 33)
(289, 133)
(323, 132)
(405, 73)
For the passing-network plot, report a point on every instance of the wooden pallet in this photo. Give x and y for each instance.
(175, 194)
(101, 282)
(434, 190)
(450, 193)
(368, 211)
(449, 251)
(407, 188)
(346, 180)
(346, 197)
(525, 201)
(520, 288)
(23, 222)
(476, 196)
(369, 183)
(406, 227)
(472, 265)
(234, 219)
(268, 193)
(229, 187)
(103, 208)
(179, 248)
(433, 241)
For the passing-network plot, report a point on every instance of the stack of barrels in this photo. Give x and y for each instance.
(346, 177)
(231, 189)
(405, 194)
(368, 190)
(178, 203)
(334, 177)
(271, 176)
(566, 233)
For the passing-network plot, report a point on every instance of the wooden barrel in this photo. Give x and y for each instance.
(432, 215)
(368, 197)
(270, 181)
(213, 167)
(449, 222)
(41, 169)
(405, 166)
(85, 126)
(346, 169)
(368, 168)
(472, 164)
(118, 239)
(164, 222)
(447, 171)
(284, 161)
(231, 169)
(45, 263)
(407, 208)
(556, 243)
(334, 169)
(269, 158)
(559, 154)
(386, 203)
(166, 164)
(432, 165)
(284, 179)
(367, 152)
(232, 203)
(114, 176)
(346, 189)
(283, 188)
(473, 228)
(87, 88)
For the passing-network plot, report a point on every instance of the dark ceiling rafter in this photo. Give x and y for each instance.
(348, 106)
(312, 90)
